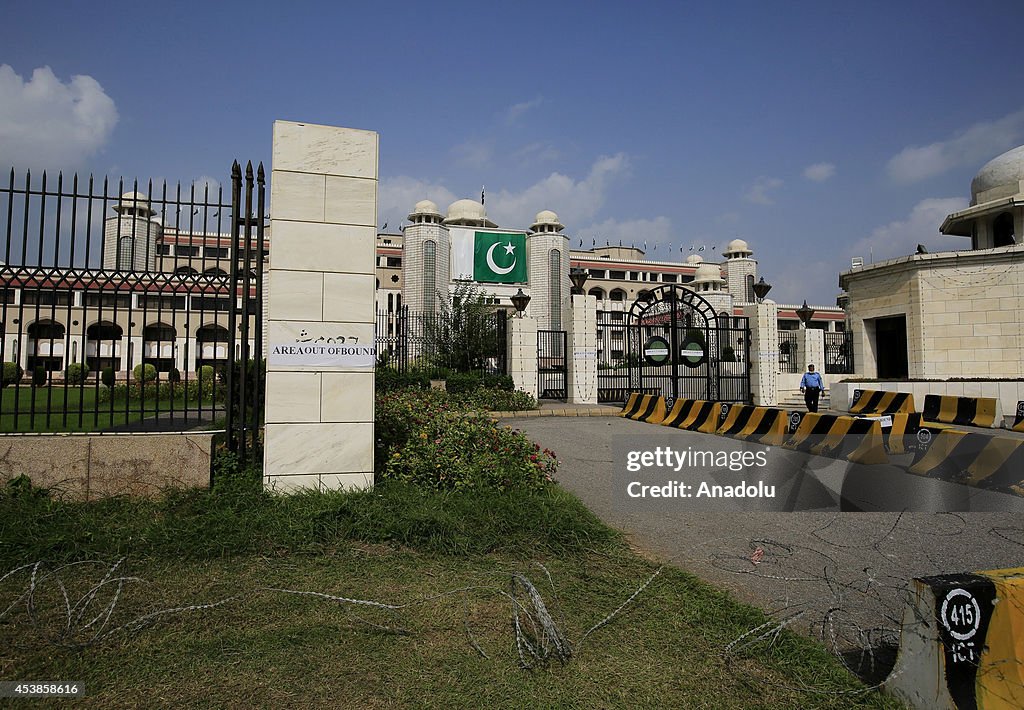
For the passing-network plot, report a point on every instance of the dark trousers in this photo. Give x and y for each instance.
(811, 395)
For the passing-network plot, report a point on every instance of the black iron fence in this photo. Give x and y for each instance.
(551, 364)
(789, 352)
(839, 353)
(443, 342)
(123, 305)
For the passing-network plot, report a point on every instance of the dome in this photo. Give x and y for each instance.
(1003, 173)
(737, 247)
(424, 208)
(547, 218)
(468, 212)
(137, 201)
(694, 259)
(708, 272)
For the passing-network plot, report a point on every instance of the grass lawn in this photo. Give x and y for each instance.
(53, 399)
(447, 560)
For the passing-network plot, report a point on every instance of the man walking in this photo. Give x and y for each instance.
(812, 387)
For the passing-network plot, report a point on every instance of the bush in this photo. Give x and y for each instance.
(206, 374)
(496, 400)
(107, 376)
(12, 373)
(174, 375)
(427, 439)
(75, 374)
(459, 382)
(389, 380)
(39, 376)
(499, 382)
(144, 372)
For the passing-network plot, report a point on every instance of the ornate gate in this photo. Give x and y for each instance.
(677, 346)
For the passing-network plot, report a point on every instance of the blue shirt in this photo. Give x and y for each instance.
(812, 379)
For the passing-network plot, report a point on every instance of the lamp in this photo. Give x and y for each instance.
(805, 313)
(520, 301)
(761, 289)
(578, 277)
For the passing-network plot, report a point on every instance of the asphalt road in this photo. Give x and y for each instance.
(843, 573)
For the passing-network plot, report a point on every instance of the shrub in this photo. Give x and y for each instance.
(12, 373)
(174, 375)
(499, 382)
(107, 376)
(39, 376)
(458, 382)
(496, 400)
(75, 374)
(144, 372)
(389, 380)
(206, 374)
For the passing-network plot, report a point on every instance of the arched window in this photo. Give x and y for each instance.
(1002, 230)
(185, 271)
(214, 271)
(749, 296)
(598, 293)
(555, 288)
(618, 294)
(429, 274)
(125, 254)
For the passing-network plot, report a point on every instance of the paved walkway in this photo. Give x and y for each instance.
(845, 573)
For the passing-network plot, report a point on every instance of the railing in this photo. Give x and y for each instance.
(117, 302)
(443, 342)
(839, 353)
(789, 352)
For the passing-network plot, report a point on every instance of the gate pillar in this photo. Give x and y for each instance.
(764, 352)
(812, 349)
(320, 326)
(582, 361)
(522, 353)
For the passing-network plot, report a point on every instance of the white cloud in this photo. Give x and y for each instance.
(474, 152)
(575, 201)
(758, 193)
(535, 153)
(46, 123)
(516, 111)
(921, 226)
(398, 195)
(974, 146)
(819, 172)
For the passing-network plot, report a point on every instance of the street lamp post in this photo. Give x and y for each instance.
(805, 313)
(761, 289)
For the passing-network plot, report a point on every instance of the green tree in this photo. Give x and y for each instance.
(463, 334)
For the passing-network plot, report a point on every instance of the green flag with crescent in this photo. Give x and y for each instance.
(499, 258)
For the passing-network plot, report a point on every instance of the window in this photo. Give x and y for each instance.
(125, 254)
(163, 249)
(395, 262)
(621, 275)
(162, 302)
(181, 250)
(1002, 230)
(669, 278)
(429, 274)
(634, 276)
(749, 296)
(45, 298)
(114, 300)
(598, 273)
(211, 303)
(555, 288)
(217, 252)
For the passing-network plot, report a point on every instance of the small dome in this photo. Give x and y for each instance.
(737, 247)
(1003, 173)
(708, 272)
(137, 201)
(547, 218)
(468, 212)
(694, 259)
(424, 211)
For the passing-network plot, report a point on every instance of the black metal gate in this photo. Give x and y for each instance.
(839, 353)
(677, 346)
(551, 364)
(245, 377)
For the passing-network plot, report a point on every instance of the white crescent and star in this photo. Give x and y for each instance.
(501, 271)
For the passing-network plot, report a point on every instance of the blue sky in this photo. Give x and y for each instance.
(814, 131)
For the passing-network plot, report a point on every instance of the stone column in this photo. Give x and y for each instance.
(764, 352)
(522, 353)
(812, 350)
(320, 326)
(581, 379)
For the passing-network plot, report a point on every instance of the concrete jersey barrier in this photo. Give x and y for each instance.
(961, 642)
(856, 440)
(765, 425)
(645, 408)
(879, 402)
(981, 460)
(965, 411)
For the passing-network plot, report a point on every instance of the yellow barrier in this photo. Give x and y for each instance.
(961, 642)
(693, 415)
(856, 440)
(630, 406)
(762, 424)
(647, 408)
(969, 411)
(878, 402)
(980, 460)
(902, 432)
(1018, 419)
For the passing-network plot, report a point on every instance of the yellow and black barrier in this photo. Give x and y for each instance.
(1018, 418)
(965, 411)
(960, 642)
(870, 402)
(694, 415)
(856, 440)
(764, 425)
(644, 408)
(901, 437)
(991, 462)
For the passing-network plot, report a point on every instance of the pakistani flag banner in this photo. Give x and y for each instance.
(499, 258)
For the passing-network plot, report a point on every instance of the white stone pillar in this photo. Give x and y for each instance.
(581, 378)
(764, 352)
(522, 353)
(320, 326)
(812, 349)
